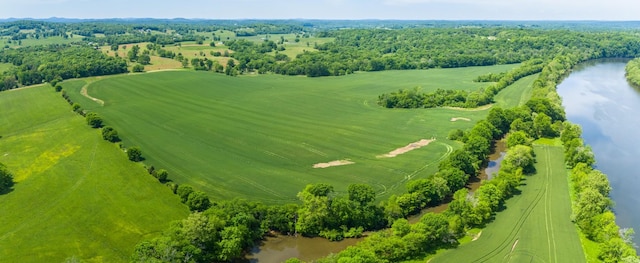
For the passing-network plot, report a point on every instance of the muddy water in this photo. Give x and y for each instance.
(597, 97)
(280, 248)
(493, 166)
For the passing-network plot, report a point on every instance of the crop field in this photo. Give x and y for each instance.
(259, 137)
(536, 225)
(76, 196)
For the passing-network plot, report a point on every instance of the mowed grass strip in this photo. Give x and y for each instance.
(517, 93)
(76, 194)
(259, 137)
(536, 225)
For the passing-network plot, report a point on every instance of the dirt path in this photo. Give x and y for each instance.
(83, 91)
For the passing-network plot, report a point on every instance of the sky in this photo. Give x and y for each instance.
(328, 9)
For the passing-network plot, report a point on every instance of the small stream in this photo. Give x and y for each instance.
(280, 248)
(493, 166)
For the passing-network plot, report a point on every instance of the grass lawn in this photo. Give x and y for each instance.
(76, 195)
(535, 227)
(258, 137)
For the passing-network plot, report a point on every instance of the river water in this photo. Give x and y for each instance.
(596, 96)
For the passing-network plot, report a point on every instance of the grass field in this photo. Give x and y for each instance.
(535, 227)
(517, 93)
(42, 41)
(258, 137)
(76, 195)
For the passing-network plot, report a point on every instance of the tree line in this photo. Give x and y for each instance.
(412, 98)
(38, 64)
(632, 72)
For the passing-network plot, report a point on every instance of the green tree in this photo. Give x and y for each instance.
(161, 174)
(133, 53)
(361, 193)
(137, 68)
(183, 192)
(134, 153)
(6, 179)
(144, 59)
(93, 120)
(542, 126)
(518, 138)
(198, 201)
(110, 134)
(519, 156)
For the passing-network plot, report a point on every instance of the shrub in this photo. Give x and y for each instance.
(137, 68)
(6, 179)
(134, 154)
(161, 174)
(110, 134)
(93, 120)
(58, 88)
(76, 107)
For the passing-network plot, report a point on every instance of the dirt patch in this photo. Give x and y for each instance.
(332, 163)
(514, 245)
(475, 237)
(412, 146)
(460, 119)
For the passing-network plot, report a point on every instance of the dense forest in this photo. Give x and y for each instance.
(221, 230)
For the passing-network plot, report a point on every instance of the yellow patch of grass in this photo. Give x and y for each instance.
(45, 161)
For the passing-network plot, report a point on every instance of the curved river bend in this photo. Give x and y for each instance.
(597, 97)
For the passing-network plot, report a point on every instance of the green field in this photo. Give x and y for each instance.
(42, 41)
(76, 195)
(517, 93)
(259, 137)
(535, 227)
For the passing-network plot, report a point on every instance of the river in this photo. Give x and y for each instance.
(596, 96)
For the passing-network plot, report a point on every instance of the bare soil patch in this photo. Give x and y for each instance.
(475, 237)
(481, 108)
(332, 163)
(410, 147)
(460, 119)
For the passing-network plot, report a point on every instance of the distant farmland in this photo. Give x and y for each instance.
(259, 137)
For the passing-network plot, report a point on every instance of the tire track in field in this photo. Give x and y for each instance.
(547, 211)
(516, 228)
(409, 176)
(261, 187)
